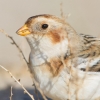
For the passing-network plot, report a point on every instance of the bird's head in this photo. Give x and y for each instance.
(50, 31)
(47, 26)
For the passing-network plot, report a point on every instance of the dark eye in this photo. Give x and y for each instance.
(44, 26)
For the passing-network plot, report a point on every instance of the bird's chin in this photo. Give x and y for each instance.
(29, 36)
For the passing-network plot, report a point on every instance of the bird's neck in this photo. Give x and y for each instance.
(47, 48)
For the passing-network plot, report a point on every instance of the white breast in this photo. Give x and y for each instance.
(73, 85)
(44, 50)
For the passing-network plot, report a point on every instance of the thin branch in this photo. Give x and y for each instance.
(31, 96)
(61, 10)
(63, 16)
(11, 94)
(14, 43)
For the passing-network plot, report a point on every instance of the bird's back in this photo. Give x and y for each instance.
(88, 58)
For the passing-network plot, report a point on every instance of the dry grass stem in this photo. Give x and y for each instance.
(61, 10)
(63, 16)
(12, 76)
(14, 43)
(11, 94)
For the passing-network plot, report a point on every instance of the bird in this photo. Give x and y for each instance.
(66, 64)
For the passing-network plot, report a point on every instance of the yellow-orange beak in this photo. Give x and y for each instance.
(23, 31)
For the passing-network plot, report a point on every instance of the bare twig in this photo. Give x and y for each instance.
(63, 16)
(61, 10)
(11, 94)
(14, 43)
(12, 76)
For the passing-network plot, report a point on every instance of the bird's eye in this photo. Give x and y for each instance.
(44, 26)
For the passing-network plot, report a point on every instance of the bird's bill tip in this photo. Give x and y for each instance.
(23, 31)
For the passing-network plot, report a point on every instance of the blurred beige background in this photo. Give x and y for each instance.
(85, 18)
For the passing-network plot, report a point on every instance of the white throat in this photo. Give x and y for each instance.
(43, 50)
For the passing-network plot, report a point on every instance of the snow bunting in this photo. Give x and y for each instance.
(64, 63)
